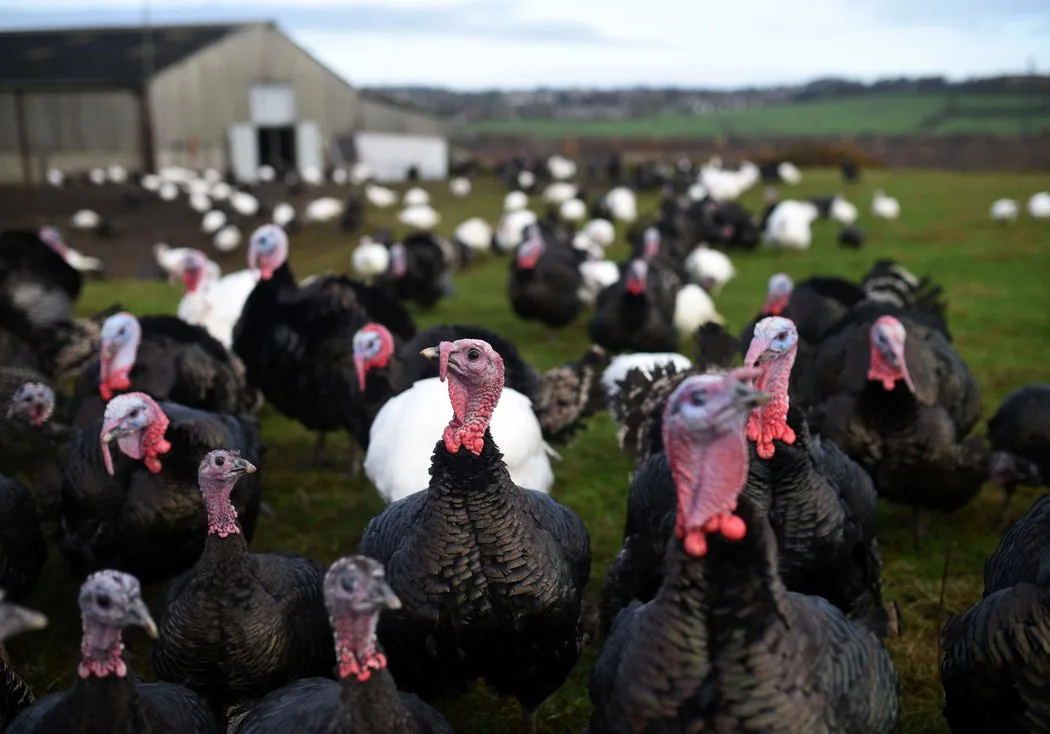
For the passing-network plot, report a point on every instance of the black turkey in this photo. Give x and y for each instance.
(545, 279)
(1019, 434)
(365, 699)
(106, 695)
(15, 694)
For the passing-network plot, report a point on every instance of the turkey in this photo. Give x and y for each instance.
(106, 695)
(238, 624)
(167, 359)
(35, 279)
(885, 207)
(896, 397)
(365, 698)
(545, 279)
(561, 397)
(135, 512)
(418, 270)
(85, 264)
(820, 504)
(212, 300)
(297, 342)
(513, 615)
(637, 312)
(994, 659)
(710, 269)
(15, 694)
(22, 547)
(1019, 434)
(723, 646)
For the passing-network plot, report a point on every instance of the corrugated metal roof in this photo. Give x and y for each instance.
(98, 57)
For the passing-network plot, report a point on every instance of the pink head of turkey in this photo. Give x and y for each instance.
(33, 403)
(637, 277)
(531, 249)
(888, 365)
(474, 371)
(778, 294)
(137, 424)
(703, 431)
(398, 260)
(773, 349)
(51, 237)
(121, 334)
(373, 349)
(650, 243)
(267, 250)
(110, 601)
(194, 269)
(356, 592)
(217, 474)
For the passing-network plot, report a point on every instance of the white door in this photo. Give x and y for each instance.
(309, 151)
(272, 105)
(244, 152)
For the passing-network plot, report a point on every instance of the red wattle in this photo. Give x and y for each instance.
(695, 543)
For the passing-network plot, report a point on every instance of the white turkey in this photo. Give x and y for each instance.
(213, 221)
(723, 185)
(511, 229)
(340, 177)
(560, 168)
(370, 259)
(171, 259)
(220, 191)
(1004, 210)
(573, 210)
(696, 192)
(360, 173)
(885, 207)
(85, 220)
(117, 174)
(283, 214)
(312, 175)
(325, 209)
(622, 203)
(168, 191)
(460, 187)
(597, 276)
(526, 180)
(644, 362)
(421, 216)
(415, 196)
(402, 438)
(842, 211)
(227, 239)
(515, 201)
(380, 197)
(213, 300)
(150, 182)
(600, 231)
(710, 269)
(266, 173)
(244, 203)
(693, 308)
(559, 192)
(474, 233)
(55, 177)
(1039, 205)
(200, 203)
(789, 173)
(211, 175)
(97, 176)
(790, 225)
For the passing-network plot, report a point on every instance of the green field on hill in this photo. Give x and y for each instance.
(891, 114)
(994, 278)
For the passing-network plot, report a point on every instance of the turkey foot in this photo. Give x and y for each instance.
(1001, 521)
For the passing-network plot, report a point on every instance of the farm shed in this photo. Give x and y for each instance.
(227, 96)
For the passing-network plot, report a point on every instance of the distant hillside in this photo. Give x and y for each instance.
(913, 113)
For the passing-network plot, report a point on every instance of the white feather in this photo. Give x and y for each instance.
(266, 174)
(843, 211)
(475, 233)
(227, 239)
(83, 263)
(420, 216)
(244, 203)
(369, 258)
(340, 176)
(789, 226)
(693, 308)
(220, 191)
(1004, 210)
(97, 176)
(561, 168)
(526, 179)
(151, 182)
(789, 173)
(312, 175)
(515, 201)
(168, 191)
(171, 259)
(622, 203)
(380, 196)
(697, 192)
(600, 231)
(597, 276)
(460, 187)
(218, 301)
(885, 207)
(644, 361)
(213, 221)
(200, 203)
(325, 209)
(117, 174)
(359, 173)
(415, 196)
(402, 438)
(283, 213)
(1039, 205)
(211, 176)
(573, 210)
(85, 219)
(559, 192)
(704, 263)
(510, 231)
(55, 177)
(725, 185)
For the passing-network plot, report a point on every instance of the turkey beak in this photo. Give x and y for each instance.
(384, 595)
(18, 619)
(757, 352)
(139, 615)
(430, 353)
(113, 430)
(242, 466)
(748, 397)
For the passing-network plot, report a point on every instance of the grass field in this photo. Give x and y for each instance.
(889, 114)
(995, 279)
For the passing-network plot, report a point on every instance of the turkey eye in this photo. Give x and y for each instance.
(698, 398)
(219, 461)
(473, 354)
(782, 336)
(103, 601)
(347, 583)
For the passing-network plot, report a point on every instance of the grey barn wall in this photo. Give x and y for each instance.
(199, 98)
(70, 130)
(376, 116)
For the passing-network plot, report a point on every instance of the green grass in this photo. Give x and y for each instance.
(885, 114)
(995, 279)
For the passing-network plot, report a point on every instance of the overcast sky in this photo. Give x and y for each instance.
(525, 43)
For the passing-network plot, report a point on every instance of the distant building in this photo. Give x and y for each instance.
(227, 96)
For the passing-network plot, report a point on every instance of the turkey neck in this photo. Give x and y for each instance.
(463, 477)
(371, 706)
(785, 478)
(224, 558)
